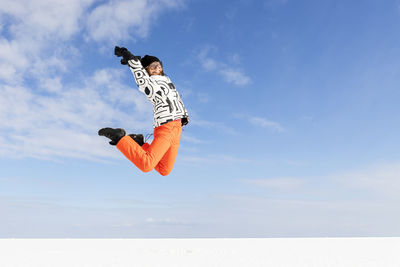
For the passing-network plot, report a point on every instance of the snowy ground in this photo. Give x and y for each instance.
(308, 252)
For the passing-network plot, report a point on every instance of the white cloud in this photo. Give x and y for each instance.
(39, 33)
(209, 64)
(235, 76)
(228, 73)
(44, 18)
(122, 20)
(52, 85)
(66, 122)
(7, 72)
(36, 44)
(43, 112)
(11, 65)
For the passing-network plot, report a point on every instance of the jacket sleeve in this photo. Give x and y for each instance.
(146, 84)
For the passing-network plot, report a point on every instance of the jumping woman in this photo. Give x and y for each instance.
(169, 116)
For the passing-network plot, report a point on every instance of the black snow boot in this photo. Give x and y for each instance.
(138, 138)
(114, 134)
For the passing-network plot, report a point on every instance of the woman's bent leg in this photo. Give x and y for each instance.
(146, 159)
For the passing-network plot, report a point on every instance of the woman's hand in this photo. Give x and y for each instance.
(125, 54)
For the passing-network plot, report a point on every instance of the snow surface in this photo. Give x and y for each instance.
(308, 252)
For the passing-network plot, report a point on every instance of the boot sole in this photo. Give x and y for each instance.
(106, 131)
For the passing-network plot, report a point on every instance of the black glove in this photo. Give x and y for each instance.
(125, 54)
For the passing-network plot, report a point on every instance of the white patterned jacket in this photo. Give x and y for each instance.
(161, 92)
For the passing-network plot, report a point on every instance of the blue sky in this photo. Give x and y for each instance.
(293, 106)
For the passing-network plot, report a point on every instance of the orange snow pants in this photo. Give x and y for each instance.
(160, 154)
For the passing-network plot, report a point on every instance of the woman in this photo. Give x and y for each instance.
(169, 116)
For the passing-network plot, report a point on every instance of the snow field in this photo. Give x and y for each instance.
(205, 252)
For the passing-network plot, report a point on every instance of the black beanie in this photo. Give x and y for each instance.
(147, 60)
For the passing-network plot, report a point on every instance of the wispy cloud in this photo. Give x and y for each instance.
(229, 73)
(166, 222)
(398, 6)
(275, 3)
(203, 97)
(193, 140)
(381, 178)
(215, 125)
(261, 122)
(282, 183)
(264, 123)
(214, 159)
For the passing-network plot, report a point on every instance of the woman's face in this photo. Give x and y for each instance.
(155, 68)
